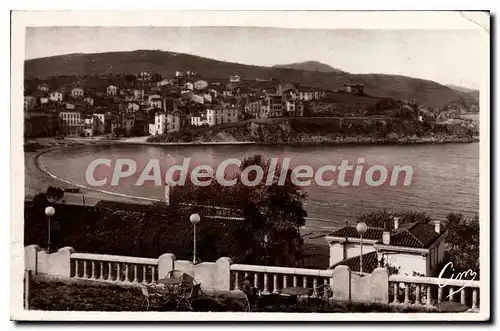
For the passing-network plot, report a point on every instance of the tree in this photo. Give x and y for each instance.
(385, 219)
(462, 240)
(276, 211)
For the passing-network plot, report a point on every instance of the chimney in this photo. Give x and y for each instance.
(396, 223)
(386, 238)
(437, 226)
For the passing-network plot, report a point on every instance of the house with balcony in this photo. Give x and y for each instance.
(354, 88)
(252, 108)
(144, 76)
(294, 108)
(167, 122)
(272, 106)
(76, 92)
(56, 96)
(44, 87)
(111, 90)
(29, 102)
(235, 78)
(71, 122)
(413, 248)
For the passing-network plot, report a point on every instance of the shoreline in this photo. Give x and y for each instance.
(132, 141)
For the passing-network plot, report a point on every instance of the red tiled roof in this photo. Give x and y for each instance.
(351, 232)
(419, 235)
(370, 262)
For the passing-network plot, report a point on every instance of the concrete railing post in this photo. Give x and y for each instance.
(166, 263)
(223, 274)
(341, 283)
(31, 257)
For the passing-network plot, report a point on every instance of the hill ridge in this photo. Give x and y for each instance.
(166, 63)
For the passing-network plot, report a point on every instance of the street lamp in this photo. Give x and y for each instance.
(49, 211)
(266, 242)
(195, 219)
(361, 228)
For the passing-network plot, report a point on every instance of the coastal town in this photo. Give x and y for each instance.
(155, 106)
(161, 181)
(152, 104)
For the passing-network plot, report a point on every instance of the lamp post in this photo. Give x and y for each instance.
(195, 219)
(49, 211)
(361, 228)
(266, 241)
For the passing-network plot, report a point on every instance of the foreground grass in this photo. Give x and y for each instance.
(63, 297)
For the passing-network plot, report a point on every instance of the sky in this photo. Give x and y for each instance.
(444, 56)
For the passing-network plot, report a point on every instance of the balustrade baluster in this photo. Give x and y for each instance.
(429, 298)
(101, 267)
(462, 297)
(85, 275)
(474, 298)
(246, 275)
(295, 281)
(92, 270)
(417, 294)
(407, 293)
(266, 283)
(126, 273)
(118, 275)
(76, 269)
(304, 282)
(396, 293)
(236, 281)
(440, 294)
(153, 274)
(136, 280)
(275, 284)
(285, 281)
(451, 295)
(144, 277)
(256, 280)
(315, 286)
(110, 272)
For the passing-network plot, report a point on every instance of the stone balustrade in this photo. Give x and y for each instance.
(429, 291)
(113, 268)
(270, 279)
(224, 276)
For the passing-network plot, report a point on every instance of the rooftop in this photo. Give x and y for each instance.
(419, 235)
(370, 262)
(416, 234)
(351, 232)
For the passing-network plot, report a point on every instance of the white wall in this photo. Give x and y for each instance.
(353, 249)
(409, 262)
(341, 251)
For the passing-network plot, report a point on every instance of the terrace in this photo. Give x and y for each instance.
(221, 284)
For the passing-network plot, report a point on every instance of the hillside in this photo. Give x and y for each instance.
(467, 92)
(309, 66)
(461, 88)
(166, 63)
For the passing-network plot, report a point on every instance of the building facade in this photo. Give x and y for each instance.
(77, 92)
(71, 122)
(411, 248)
